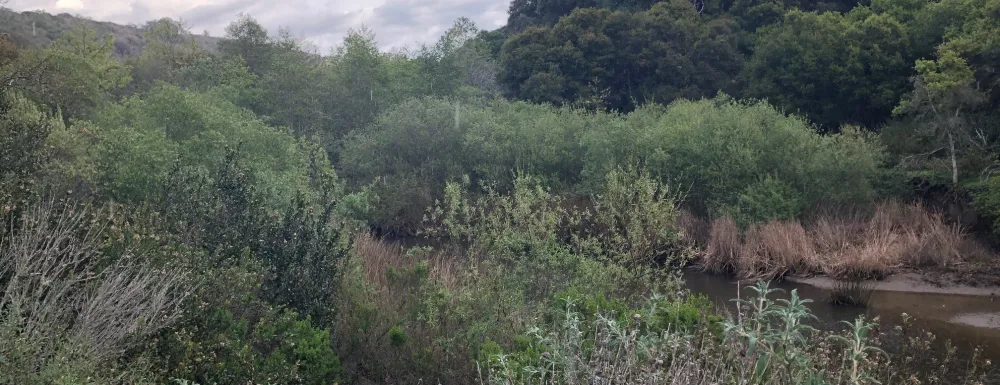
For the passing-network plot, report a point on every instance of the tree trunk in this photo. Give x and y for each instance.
(954, 162)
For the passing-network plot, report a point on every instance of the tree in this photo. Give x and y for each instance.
(73, 75)
(359, 83)
(836, 69)
(459, 59)
(247, 39)
(169, 47)
(944, 93)
(291, 90)
(618, 60)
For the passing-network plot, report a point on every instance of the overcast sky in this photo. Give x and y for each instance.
(397, 23)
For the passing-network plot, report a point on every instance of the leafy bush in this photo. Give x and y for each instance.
(23, 129)
(139, 141)
(278, 348)
(716, 148)
(409, 152)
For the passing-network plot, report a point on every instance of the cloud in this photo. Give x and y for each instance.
(69, 4)
(396, 23)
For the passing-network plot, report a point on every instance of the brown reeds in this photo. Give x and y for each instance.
(724, 247)
(891, 237)
(696, 230)
(774, 250)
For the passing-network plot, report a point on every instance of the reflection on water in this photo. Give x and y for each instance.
(965, 320)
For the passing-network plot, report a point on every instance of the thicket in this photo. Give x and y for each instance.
(195, 217)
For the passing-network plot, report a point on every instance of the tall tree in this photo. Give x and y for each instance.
(247, 39)
(944, 94)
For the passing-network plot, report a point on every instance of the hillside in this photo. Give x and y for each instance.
(47, 28)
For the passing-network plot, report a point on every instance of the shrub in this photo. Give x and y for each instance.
(231, 336)
(70, 312)
(719, 147)
(139, 142)
(410, 151)
(23, 129)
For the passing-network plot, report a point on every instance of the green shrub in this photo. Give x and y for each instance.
(139, 142)
(986, 199)
(23, 129)
(408, 153)
(232, 337)
(716, 148)
(766, 200)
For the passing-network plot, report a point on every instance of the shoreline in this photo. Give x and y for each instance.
(909, 282)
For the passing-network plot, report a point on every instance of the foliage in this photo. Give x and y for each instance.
(218, 169)
(618, 60)
(769, 342)
(23, 130)
(71, 310)
(721, 151)
(231, 338)
(139, 141)
(836, 69)
(73, 75)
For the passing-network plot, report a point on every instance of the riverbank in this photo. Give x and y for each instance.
(910, 282)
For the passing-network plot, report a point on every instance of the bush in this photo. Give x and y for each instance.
(409, 152)
(719, 147)
(139, 142)
(70, 312)
(23, 129)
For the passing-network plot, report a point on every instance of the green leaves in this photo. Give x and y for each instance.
(835, 69)
(598, 58)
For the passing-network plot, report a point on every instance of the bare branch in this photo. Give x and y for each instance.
(52, 293)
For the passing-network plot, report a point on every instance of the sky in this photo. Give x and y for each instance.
(396, 23)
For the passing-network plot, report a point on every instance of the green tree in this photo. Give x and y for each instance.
(836, 69)
(169, 47)
(944, 94)
(618, 60)
(73, 75)
(359, 83)
(247, 39)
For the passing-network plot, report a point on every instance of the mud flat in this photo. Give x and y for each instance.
(906, 283)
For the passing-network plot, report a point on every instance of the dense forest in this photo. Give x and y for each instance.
(194, 210)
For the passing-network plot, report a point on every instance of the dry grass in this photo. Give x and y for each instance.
(853, 292)
(891, 237)
(724, 247)
(697, 231)
(376, 256)
(775, 249)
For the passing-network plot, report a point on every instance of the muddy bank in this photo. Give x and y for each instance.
(908, 283)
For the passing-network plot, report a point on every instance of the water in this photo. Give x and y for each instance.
(966, 320)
